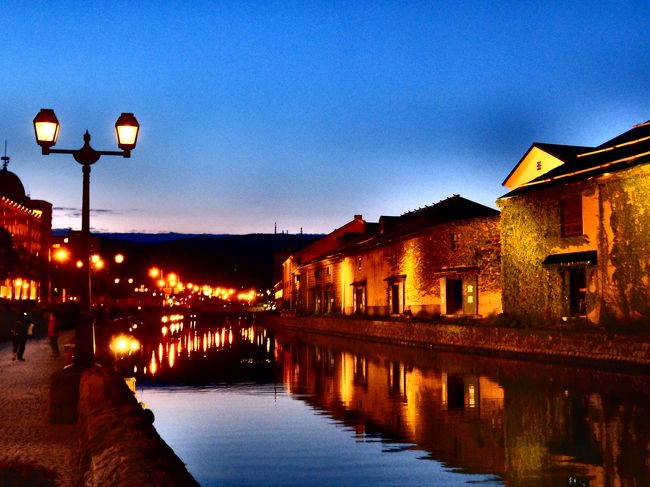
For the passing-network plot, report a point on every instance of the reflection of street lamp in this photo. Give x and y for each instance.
(46, 128)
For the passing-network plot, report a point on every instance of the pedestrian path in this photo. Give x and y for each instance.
(27, 439)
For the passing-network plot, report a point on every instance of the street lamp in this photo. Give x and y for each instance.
(46, 129)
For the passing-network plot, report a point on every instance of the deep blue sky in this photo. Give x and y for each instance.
(305, 113)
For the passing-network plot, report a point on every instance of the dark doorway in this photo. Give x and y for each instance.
(577, 291)
(454, 296)
(455, 392)
(358, 300)
(394, 299)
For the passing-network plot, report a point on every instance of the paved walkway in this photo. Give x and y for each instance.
(26, 435)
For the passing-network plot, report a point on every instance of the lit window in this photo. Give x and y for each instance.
(571, 216)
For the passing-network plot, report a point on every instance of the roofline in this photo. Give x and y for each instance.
(534, 144)
(533, 183)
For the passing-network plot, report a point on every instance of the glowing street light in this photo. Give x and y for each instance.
(46, 129)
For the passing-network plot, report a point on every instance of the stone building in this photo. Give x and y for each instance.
(575, 232)
(439, 260)
(29, 222)
(308, 275)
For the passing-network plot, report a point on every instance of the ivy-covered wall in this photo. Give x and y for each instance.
(616, 223)
(420, 258)
(530, 228)
(626, 200)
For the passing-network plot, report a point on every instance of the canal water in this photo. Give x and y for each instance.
(242, 404)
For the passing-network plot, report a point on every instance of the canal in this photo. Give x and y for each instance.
(242, 404)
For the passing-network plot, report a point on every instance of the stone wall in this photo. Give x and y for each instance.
(120, 445)
(595, 347)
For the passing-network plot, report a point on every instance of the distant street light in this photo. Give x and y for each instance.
(46, 128)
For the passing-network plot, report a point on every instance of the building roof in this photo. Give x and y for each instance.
(628, 149)
(454, 208)
(11, 186)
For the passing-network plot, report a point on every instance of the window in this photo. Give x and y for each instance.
(454, 241)
(571, 216)
(317, 273)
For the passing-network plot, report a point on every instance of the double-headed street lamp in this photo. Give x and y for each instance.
(46, 128)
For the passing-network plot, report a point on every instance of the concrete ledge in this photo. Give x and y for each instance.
(595, 347)
(119, 444)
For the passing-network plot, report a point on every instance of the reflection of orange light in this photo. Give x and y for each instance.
(153, 366)
(172, 356)
(122, 344)
(230, 337)
(164, 330)
(160, 352)
(61, 255)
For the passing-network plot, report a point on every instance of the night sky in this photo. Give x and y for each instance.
(306, 113)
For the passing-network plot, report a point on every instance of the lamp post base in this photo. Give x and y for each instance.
(84, 347)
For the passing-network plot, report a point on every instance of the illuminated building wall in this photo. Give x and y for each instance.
(30, 224)
(311, 278)
(440, 260)
(575, 243)
(413, 274)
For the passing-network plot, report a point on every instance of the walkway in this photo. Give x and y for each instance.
(27, 439)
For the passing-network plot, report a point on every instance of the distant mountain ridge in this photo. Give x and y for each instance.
(142, 237)
(251, 260)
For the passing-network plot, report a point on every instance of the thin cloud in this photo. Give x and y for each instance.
(63, 211)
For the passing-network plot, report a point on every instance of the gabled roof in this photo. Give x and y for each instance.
(559, 154)
(626, 150)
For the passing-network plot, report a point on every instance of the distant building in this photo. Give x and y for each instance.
(29, 222)
(302, 291)
(439, 260)
(575, 232)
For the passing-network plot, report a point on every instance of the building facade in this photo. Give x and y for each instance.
(439, 260)
(29, 222)
(575, 232)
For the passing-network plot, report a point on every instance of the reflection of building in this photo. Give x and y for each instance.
(459, 417)
(439, 260)
(537, 425)
(575, 229)
(29, 223)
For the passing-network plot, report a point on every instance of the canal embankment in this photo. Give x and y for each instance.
(591, 347)
(119, 445)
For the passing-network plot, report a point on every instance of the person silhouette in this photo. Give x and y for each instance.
(19, 332)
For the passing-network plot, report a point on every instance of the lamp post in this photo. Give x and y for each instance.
(46, 128)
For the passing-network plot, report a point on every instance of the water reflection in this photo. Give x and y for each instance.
(455, 416)
(527, 423)
(181, 349)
